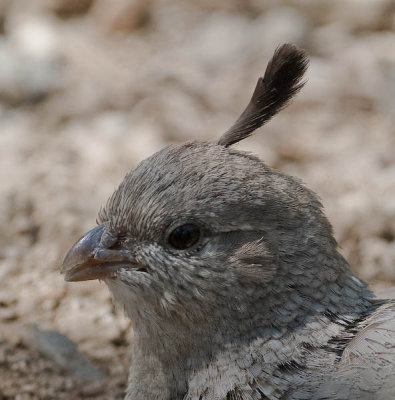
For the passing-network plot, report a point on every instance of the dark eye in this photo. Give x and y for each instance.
(184, 236)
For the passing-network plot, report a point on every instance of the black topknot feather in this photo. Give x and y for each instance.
(282, 80)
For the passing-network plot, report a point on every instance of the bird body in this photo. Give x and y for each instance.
(231, 275)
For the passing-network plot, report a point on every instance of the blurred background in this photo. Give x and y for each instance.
(88, 88)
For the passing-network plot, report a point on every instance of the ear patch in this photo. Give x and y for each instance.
(254, 262)
(281, 82)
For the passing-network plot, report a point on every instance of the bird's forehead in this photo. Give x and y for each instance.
(180, 182)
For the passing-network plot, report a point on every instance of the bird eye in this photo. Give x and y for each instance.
(184, 236)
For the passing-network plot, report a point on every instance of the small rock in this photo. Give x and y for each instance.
(7, 298)
(64, 353)
(359, 14)
(280, 25)
(8, 314)
(122, 15)
(30, 62)
(67, 8)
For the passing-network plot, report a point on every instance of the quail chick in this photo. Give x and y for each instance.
(231, 275)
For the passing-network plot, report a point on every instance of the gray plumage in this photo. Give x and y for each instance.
(231, 275)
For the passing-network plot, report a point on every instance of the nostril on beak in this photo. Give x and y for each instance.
(108, 239)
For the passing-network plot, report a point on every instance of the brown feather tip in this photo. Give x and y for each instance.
(281, 82)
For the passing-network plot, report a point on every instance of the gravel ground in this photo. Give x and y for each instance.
(88, 88)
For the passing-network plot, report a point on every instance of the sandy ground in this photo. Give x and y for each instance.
(90, 88)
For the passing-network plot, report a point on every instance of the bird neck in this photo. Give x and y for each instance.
(305, 307)
(308, 320)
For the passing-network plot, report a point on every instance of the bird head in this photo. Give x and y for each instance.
(201, 232)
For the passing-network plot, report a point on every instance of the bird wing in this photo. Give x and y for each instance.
(375, 338)
(365, 371)
(367, 367)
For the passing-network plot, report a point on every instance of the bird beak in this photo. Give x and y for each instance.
(88, 259)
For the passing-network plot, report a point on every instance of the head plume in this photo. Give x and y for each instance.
(282, 80)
